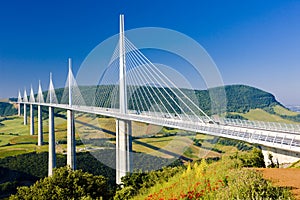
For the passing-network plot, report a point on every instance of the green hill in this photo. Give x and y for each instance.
(240, 99)
(7, 109)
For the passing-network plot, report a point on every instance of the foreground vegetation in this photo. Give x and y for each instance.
(26, 169)
(221, 180)
(224, 179)
(66, 184)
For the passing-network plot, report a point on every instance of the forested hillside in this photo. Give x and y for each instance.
(7, 109)
(240, 98)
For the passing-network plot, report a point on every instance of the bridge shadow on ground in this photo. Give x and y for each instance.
(96, 128)
(87, 124)
(175, 155)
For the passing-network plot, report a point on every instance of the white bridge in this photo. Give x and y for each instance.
(149, 96)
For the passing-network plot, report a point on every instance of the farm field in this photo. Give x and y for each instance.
(261, 115)
(284, 178)
(94, 132)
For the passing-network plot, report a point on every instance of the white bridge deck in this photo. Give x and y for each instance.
(271, 134)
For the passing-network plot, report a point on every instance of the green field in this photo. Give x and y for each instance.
(262, 115)
(283, 111)
(15, 138)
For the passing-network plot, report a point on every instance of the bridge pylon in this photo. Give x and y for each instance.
(31, 112)
(71, 143)
(52, 155)
(123, 127)
(25, 99)
(40, 116)
(19, 103)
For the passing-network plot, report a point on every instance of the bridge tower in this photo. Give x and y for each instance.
(19, 103)
(71, 144)
(123, 127)
(25, 100)
(52, 155)
(40, 119)
(31, 100)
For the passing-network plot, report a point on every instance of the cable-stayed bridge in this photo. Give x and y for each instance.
(134, 89)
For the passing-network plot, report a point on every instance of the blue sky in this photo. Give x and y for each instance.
(252, 42)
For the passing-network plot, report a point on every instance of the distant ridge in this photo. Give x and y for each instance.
(240, 99)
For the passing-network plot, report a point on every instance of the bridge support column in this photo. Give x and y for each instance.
(71, 143)
(52, 155)
(279, 155)
(25, 114)
(40, 126)
(31, 120)
(123, 148)
(19, 109)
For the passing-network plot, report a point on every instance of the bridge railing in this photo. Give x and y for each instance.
(281, 140)
(272, 126)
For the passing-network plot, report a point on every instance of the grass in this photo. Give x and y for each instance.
(174, 146)
(17, 149)
(5, 139)
(12, 129)
(261, 115)
(166, 147)
(15, 138)
(14, 124)
(283, 111)
(295, 165)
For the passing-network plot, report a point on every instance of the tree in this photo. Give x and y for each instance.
(255, 158)
(66, 184)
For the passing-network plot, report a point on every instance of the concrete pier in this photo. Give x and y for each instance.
(52, 155)
(279, 155)
(123, 148)
(71, 143)
(31, 120)
(40, 126)
(19, 109)
(129, 146)
(25, 114)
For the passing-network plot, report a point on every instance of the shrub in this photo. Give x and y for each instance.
(66, 184)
